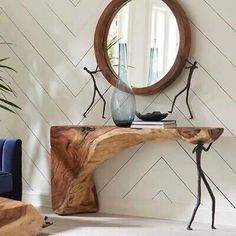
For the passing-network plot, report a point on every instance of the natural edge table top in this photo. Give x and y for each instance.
(76, 151)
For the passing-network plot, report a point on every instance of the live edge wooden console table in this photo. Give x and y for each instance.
(76, 151)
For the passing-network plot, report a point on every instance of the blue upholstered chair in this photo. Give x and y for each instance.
(11, 168)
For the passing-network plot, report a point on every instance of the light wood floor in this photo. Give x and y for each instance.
(111, 225)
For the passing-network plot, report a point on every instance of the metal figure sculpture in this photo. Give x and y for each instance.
(198, 149)
(191, 68)
(94, 92)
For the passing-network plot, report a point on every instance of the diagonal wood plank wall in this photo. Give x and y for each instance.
(51, 43)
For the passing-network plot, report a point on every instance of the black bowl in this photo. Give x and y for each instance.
(154, 116)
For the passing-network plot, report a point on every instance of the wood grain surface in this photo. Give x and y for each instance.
(77, 151)
(18, 218)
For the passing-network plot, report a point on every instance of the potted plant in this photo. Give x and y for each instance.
(6, 89)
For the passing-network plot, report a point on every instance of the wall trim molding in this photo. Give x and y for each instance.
(37, 199)
(161, 209)
(168, 211)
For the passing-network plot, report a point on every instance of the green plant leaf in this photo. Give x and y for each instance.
(10, 103)
(4, 80)
(4, 59)
(6, 43)
(6, 108)
(6, 88)
(7, 67)
(9, 90)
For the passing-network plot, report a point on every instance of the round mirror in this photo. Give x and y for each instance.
(153, 34)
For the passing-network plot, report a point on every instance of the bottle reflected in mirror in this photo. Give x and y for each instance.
(153, 64)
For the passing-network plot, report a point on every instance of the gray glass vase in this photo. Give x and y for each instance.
(123, 106)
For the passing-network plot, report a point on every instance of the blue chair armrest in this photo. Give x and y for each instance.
(10, 162)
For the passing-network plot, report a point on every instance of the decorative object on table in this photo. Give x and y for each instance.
(139, 124)
(123, 104)
(92, 73)
(94, 92)
(191, 68)
(144, 33)
(198, 150)
(154, 116)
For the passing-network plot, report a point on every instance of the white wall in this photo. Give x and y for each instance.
(53, 41)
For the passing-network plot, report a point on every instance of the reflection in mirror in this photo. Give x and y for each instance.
(149, 32)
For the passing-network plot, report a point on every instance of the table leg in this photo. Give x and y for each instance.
(198, 149)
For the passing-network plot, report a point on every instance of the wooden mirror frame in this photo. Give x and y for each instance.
(100, 46)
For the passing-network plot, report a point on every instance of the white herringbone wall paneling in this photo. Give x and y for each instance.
(51, 42)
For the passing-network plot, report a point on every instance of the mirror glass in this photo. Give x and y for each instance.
(147, 32)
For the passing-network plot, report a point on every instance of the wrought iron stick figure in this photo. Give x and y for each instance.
(198, 149)
(94, 92)
(191, 68)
